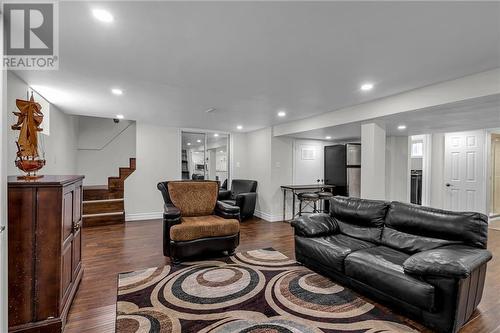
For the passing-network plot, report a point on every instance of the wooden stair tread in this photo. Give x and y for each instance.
(103, 204)
(95, 187)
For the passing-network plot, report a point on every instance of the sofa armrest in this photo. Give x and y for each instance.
(170, 212)
(227, 211)
(224, 194)
(313, 225)
(455, 261)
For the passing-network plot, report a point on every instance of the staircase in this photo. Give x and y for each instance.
(103, 204)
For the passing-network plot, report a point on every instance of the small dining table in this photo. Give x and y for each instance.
(294, 189)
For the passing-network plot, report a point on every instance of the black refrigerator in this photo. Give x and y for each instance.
(343, 169)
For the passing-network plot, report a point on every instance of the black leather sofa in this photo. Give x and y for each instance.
(242, 194)
(426, 263)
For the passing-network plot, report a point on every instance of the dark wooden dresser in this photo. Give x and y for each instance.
(45, 218)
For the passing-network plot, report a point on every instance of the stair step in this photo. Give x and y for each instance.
(132, 163)
(125, 172)
(94, 220)
(103, 206)
(100, 192)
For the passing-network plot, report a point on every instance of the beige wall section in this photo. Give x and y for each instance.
(103, 147)
(158, 159)
(396, 176)
(259, 168)
(373, 170)
(60, 146)
(238, 156)
(437, 171)
(269, 162)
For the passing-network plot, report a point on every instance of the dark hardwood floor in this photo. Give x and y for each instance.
(109, 250)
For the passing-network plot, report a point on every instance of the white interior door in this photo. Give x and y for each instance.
(308, 162)
(464, 171)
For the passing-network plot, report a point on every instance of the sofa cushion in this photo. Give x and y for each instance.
(382, 268)
(359, 218)
(192, 228)
(330, 251)
(411, 228)
(194, 198)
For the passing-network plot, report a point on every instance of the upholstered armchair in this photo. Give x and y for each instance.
(242, 194)
(194, 222)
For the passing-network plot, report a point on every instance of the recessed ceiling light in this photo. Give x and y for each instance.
(366, 86)
(281, 114)
(239, 127)
(103, 15)
(199, 141)
(117, 91)
(328, 137)
(221, 151)
(401, 127)
(119, 116)
(216, 134)
(189, 143)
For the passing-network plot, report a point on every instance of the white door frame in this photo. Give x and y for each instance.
(484, 167)
(426, 168)
(206, 132)
(488, 170)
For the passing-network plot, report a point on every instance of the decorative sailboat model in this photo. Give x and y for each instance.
(29, 119)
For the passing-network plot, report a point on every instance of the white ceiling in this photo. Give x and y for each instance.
(466, 115)
(174, 60)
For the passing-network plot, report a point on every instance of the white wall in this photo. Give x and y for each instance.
(373, 169)
(259, 169)
(239, 156)
(281, 174)
(100, 154)
(437, 192)
(158, 159)
(60, 146)
(3, 194)
(396, 176)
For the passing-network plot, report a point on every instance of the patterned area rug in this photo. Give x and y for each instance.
(253, 292)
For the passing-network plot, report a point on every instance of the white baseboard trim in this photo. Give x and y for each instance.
(158, 215)
(268, 217)
(143, 216)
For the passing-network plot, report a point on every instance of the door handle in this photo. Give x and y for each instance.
(448, 185)
(2, 228)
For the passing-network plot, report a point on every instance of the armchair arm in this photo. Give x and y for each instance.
(227, 211)
(171, 212)
(246, 202)
(224, 194)
(312, 225)
(455, 261)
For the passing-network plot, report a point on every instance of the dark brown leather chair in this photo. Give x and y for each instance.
(194, 222)
(242, 194)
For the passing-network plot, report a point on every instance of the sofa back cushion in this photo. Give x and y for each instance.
(194, 198)
(411, 228)
(359, 218)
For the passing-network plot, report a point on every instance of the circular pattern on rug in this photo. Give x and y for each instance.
(264, 258)
(267, 326)
(213, 287)
(305, 293)
(138, 280)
